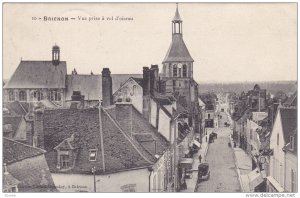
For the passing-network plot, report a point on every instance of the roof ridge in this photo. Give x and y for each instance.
(126, 136)
(44, 151)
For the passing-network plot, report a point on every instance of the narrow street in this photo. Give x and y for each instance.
(223, 175)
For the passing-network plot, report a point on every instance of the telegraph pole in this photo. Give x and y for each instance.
(94, 173)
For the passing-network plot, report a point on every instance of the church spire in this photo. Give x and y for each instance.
(177, 15)
(177, 22)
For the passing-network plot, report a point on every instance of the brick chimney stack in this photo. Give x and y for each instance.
(107, 98)
(124, 114)
(38, 136)
(146, 93)
(153, 79)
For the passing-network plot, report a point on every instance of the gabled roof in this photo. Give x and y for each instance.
(91, 85)
(38, 74)
(289, 122)
(120, 151)
(14, 151)
(178, 51)
(34, 175)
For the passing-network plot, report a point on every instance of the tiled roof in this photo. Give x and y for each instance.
(140, 125)
(91, 85)
(292, 100)
(139, 81)
(289, 122)
(33, 173)
(178, 51)
(143, 131)
(38, 74)
(13, 121)
(14, 151)
(17, 108)
(120, 151)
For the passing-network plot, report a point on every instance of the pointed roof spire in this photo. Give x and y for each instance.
(177, 16)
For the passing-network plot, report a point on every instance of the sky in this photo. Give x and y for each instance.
(229, 42)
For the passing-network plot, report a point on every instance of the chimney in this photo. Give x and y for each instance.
(153, 78)
(107, 98)
(124, 114)
(38, 135)
(77, 100)
(146, 93)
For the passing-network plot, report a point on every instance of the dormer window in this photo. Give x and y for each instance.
(93, 154)
(64, 161)
(292, 140)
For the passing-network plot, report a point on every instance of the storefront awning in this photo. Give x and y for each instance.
(186, 163)
(255, 178)
(275, 184)
(195, 142)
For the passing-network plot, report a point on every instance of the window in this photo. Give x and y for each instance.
(277, 138)
(184, 71)
(175, 70)
(22, 96)
(292, 143)
(38, 95)
(55, 96)
(11, 95)
(64, 161)
(208, 116)
(129, 188)
(93, 154)
(251, 134)
(133, 90)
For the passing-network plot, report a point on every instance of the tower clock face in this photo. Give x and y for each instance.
(179, 65)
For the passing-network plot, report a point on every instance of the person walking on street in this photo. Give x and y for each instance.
(200, 158)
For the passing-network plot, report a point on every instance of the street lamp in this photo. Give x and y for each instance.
(94, 173)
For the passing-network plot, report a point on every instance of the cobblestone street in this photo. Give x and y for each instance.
(223, 175)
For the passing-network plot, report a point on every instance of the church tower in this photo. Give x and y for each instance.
(178, 62)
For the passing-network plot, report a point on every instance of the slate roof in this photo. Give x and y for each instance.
(177, 16)
(14, 151)
(120, 151)
(38, 74)
(289, 122)
(178, 51)
(91, 85)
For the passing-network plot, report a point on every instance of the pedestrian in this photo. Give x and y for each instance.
(200, 158)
